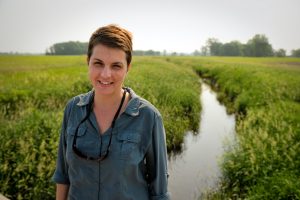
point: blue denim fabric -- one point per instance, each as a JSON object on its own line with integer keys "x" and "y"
{"x": 136, "y": 167}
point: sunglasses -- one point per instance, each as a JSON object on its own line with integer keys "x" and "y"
{"x": 89, "y": 110}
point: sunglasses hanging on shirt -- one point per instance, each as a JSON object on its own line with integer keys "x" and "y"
{"x": 89, "y": 110}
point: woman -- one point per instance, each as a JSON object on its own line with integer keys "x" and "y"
{"x": 112, "y": 142}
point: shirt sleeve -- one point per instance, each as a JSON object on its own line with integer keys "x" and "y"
{"x": 156, "y": 162}
{"x": 61, "y": 172}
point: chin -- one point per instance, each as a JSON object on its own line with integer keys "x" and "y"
{"x": 105, "y": 90}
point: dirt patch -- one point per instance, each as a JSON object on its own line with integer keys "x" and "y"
{"x": 296, "y": 64}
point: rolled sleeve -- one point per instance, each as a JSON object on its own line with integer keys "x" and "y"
{"x": 156, "y": 161}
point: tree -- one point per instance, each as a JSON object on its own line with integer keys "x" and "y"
{"x": 247, "y": 50}
{"x": 296, "y": 53}
{"x": 146, "y": 53}
{"x": 68, "y": 48}
{"x": 204, "y": 51}
{"x": 233, "y": 48}
{"x": 215, "y": 47}
{"x": 259, "y": 46}
{"x": 280, "y": 53}
{"x": 196, "y": 53}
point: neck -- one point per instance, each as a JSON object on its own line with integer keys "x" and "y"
{"x": 107, "y": 102}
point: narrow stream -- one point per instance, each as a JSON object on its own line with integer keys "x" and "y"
{"x": 196, "y": 169}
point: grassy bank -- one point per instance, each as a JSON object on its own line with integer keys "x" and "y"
{"x": 34, "y": 91}
{"x": 265, "y": 95}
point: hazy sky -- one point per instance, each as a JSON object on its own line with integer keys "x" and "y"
{"x": 173, "y": 25}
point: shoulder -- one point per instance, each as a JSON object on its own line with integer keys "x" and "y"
{"x": 149, "y": 107}
{"x": 78, "y": 100}
{"x": 141, "y": 106}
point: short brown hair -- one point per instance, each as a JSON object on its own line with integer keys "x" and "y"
{"x": 112, "y": 36}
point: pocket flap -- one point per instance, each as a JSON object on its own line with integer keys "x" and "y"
{"x": 130, "y": 137}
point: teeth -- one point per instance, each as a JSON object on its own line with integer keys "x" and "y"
{"x": 105, "y": 83}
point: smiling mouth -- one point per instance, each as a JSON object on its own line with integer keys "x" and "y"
{"x": 104, "y": 82}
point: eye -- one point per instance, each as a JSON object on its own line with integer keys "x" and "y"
{"x": 98, "y": 64}
{"x": 117, "y": 66}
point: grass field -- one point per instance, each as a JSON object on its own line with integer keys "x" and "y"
{"x": 34, "y": 91}
{"x": 264, "y": 93}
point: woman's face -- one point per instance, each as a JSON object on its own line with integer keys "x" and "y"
{"x": 107, "y": 69}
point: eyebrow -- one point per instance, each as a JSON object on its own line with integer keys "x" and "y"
{"x": 118, "y": 63}
{"x": 96, "y": 59}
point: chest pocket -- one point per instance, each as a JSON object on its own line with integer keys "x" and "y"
{"x": 130, "y": 142}
{"x": 81, "y": 139}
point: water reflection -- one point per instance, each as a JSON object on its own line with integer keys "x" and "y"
{"x": 195, "y": 168}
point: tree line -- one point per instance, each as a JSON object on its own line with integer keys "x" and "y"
{"x": 258, "y": 46}
{"x": 79, "y": 48}
{"x": 68, "y": 48}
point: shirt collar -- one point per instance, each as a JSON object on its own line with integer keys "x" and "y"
{"x": 84, "y": 99}
{"x": 132, "y": 106}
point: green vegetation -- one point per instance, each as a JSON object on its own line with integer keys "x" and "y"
{"x": 68, "y": 48}
{"x": 34, "y": 91}
{"x": 296, "y": 52}
{"x": 173, "y": 89}
{"x": 80, "y": 48}
{"x": 263, "y": 92}
{"x": 265, "y": 95}
{"x": 258, "y": 46}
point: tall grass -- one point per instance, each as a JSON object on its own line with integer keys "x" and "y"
{"x": 265, "y": 95}
{"x": 173, "y": 89}
{"x": 34, "y": 91}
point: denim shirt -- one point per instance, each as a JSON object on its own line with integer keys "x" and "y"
{"x": 136, "y": 166}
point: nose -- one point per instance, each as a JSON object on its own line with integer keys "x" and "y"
{"x": 106, "y": 72}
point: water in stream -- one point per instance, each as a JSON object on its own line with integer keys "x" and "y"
{"x": 196, "y": 168}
